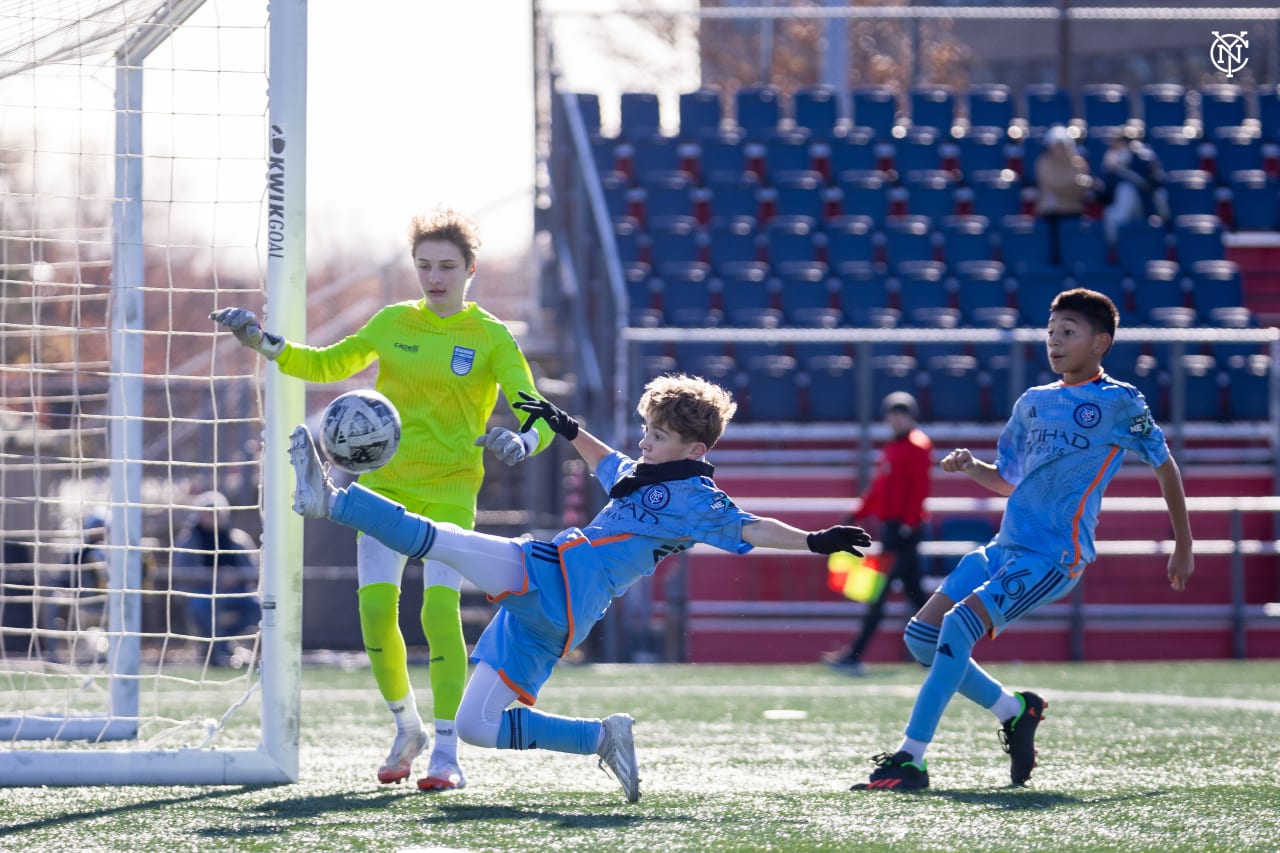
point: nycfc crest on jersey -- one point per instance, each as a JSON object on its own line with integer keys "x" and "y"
{"x": 655, "y": 497}
{"x": 463, "y": 358}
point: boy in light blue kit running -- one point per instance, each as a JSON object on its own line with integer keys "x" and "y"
{"x": 1063, "y": 444}
{"x": 552, "y": 593}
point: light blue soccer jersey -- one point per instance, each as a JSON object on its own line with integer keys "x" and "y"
{"x": 1060, "y": 449}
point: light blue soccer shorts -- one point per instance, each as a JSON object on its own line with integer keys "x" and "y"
{"x": 1009, "y": 582}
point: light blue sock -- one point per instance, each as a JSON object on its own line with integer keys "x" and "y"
{"x": 526, "y": 728}
{"x": 977, "y": 685}
{"x": 961, "y": 629}
{"x": 383, "y": 519}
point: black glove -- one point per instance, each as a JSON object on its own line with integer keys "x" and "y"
{"x": 841, "y": 538}
{"x": 559, "y": 421}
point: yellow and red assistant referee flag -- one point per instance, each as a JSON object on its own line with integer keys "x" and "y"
{"x": 856, "y": 578}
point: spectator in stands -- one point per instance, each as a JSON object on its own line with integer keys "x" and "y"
{"x": 895, "y": 498}
{"x": 1133, "y": 184}
{"x": 1063, "y": 185}
{"x": 551, "y": 593}
{"x": 1062, "y": 445}
{"x": 215, "y": 563}
{"x": 441, "y": 361}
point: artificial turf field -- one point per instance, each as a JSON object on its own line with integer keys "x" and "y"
{"x": 1158, "y": 757}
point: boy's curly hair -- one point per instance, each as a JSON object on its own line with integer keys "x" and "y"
{"x": 690, "y": 406}
{"x": 445, "y": 223}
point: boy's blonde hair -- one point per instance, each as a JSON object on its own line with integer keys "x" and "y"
{"x": 445, "y": 223}
{"x": 690, "y": 406}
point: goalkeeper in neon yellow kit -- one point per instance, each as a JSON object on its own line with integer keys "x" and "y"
{"x": 441, "y": 361}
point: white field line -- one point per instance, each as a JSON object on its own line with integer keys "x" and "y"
{"x": 843, "y": 692}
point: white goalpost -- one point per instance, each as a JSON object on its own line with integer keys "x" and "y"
{"x": 152, "y": 169}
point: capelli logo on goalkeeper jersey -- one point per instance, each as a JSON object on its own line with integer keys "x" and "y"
{"x": 462, "y": 360}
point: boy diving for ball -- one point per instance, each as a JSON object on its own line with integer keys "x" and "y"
{"x": 551, "y": 593}
{"x": 1063, "y": 444}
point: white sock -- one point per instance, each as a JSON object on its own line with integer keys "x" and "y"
{"x": 446, "y": 738}
{"x": 914, "y": 748}
{"x": 406, "y": 714}
{"x": 1007, "y": 706}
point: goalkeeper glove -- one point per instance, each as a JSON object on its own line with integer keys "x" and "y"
{"x": 509, "y": 446}
{"x": 243, "y": 323}
{"x": 560, "y": 422}
{"x": 841, "y": 538}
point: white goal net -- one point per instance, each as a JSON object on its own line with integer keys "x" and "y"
{"x": 151, "y": 171}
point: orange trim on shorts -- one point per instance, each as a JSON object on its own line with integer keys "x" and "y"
{"x": 568, "y": 596}
{"x": 521, "y": 591}
{"x": 1075, "y": 519}
{"x": 523, "y": 695}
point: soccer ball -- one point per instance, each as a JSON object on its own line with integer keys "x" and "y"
{"x": 360, "y": 431}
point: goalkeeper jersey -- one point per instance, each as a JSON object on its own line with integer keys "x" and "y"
{"x": 443, "y": 375}
{"x": 1060, "y": 449}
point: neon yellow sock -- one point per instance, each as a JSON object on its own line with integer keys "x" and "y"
{"x": 383, "y": 641}
{"x": 442, "y": 625}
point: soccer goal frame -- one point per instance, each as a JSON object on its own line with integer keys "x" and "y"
{"x": 275, "y": 757}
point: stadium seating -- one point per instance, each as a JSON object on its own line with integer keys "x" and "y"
{"x": 1164, "y": 105}
{"x": 995, "y": 195}
{"x": 1269, "y": 112}
{"x": 1236, "y": 149}
{"x": 686, "y": 293}
{"x": 891, "y": 373}
{"x": 1248, "y": 394}
{"x": 1083, "y": 247}
{"x": 921, "y": 285}
{"x": 916, "y": 151}
{"x": 864, "y": 296}
{"x": 786, "y": 151}
{"x": 1140, "y": 241}
{"x": 626, "y": 236}
{"x": 853, "y": 150}
{"x": 832, "y": 388}
{"x": 806, "y": 295}
{"x": 1197, "y": 238}
{"x": 817, "y": 110}
{"x": 990, "y": 105}
{"x": 865, "y": 193}
{"x": 771, "y": 390}
{"x": 1160, "y": 285}
{"x": 1105, "y": 105}
{"x": 1215, "y": 284}
{"x": 981, "y": 287}
{"x": 651, "y": 153}
{"x": 965, "y": 238}
{"x": 954, "y": 390}
{"x": 875, "y": 107}
{"x": 799, "y": 193}
{"x": 1024, "y": 244}
{"x": 639, "y": 115}
{"x": 700, "y": 112}
{"x": 850, "y": 238}
{"x": 721, "y": 154}
{"x": 791, "y": 238}
{"x": 757, "y": 110}
{"x": 1204, "y": 388}
{"x": 982, "y": 148}
{"x": 1191, "y": 191}
{"x": 931, "y": 193}
{"x": 745, "y": 290}
{"x": 672, "y": 238}
{"x": 667, "y": 194}
{"x": 1047, "y": 105}
{"x": 933, "y": 107}
{"x": 731, "y": 239}
{"x": 1221, "y": 105}
{"x": 617, "y": 193}
{"x": 962, "y": 528}
{"x": 589, "y": 107}
{"x": 907, "y": 238}
{"x": 1255, "y": 201}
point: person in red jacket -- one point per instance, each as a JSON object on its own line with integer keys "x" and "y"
{"x": 896, "y": 499}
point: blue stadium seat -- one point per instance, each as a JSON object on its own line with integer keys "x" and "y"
{"x": 745, "y": 289}
{"x": 1034, "y": 292}
{"x": 965, "y": 238}
{"x": 1215, "y": 284}
{"x": 639, "y": 114}
{"x": 864, "y": 296}
{"x": 1191, "y": 191}
{"x": 922, "y": 286}
{"x": 798, "y": 193}
{"x": 730, "y": 240}
{"x": 790, "y": 238}
{"x": 1255, "y": 201}
{"x": 907, "y": 238}
{"x": 627, "y": 238}
{"x": 1095, "y": 144}
{"x": 931, "y": 193}
{"x": 772, "y": 390}
{"x": 850, "y": 238}
{"x": 917, "y": 150}
{"x": 817, "y": 110}
{"x": 1197, "y": 238}
{"x": 982, "y": 149}
{"x": 1140, "y": 241}
{"x": 833, "y": 390}
{"x": 954, "y": 390}
{"x": 995, "y": 195}
{"x": 894, "y": 373}
{"x": 1105, "y": 104}
{"x": 864, "y": 193}
{"x": 758, "y": 109}
{"x": 1152, "y": 379}
{"x": 604, "y": 152}
{"x": 642, "y": 290}
{"x": 1047, "y": 105}
{"x": 786, "y": 151}
{"x": 652, "y": 153}
{"x": 589, "y": 106}
{"x": 721, "y": 155}
{"x": 693, "y": 355}
{"x": 1236, "y": 149}
{"x": 1160, "y": 285}
{"x": 1083, "y": 246}
{"x": 700, "y": 113}
{"x": 1269, "y": 111}
{"x": 734, "y": 195}
{"x": 1163, "y": 105}
{"x": 1249, "y": 391}
{"x": 990, "y": 105}
{"x": 1024, "y": 244}
{"x": 933, "y": 106}
{"x": 1221, "y": 105}
{"x": 672, "y": 238}
{"x": 853, "y": 150}
{"x": 981, "y": 286}
{"x": 617, "y": 193}
{"x": 667, "y": 194}
{"x": 652, "y": 366}
{"x": 1238, "y": 317}
{"x": 1174, "y": 149}
{"x": 806, "y": 295}
{"x": 686, "y": 292}
{"x": 1204, "y": 389}
{"x": 875, "y": 107}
